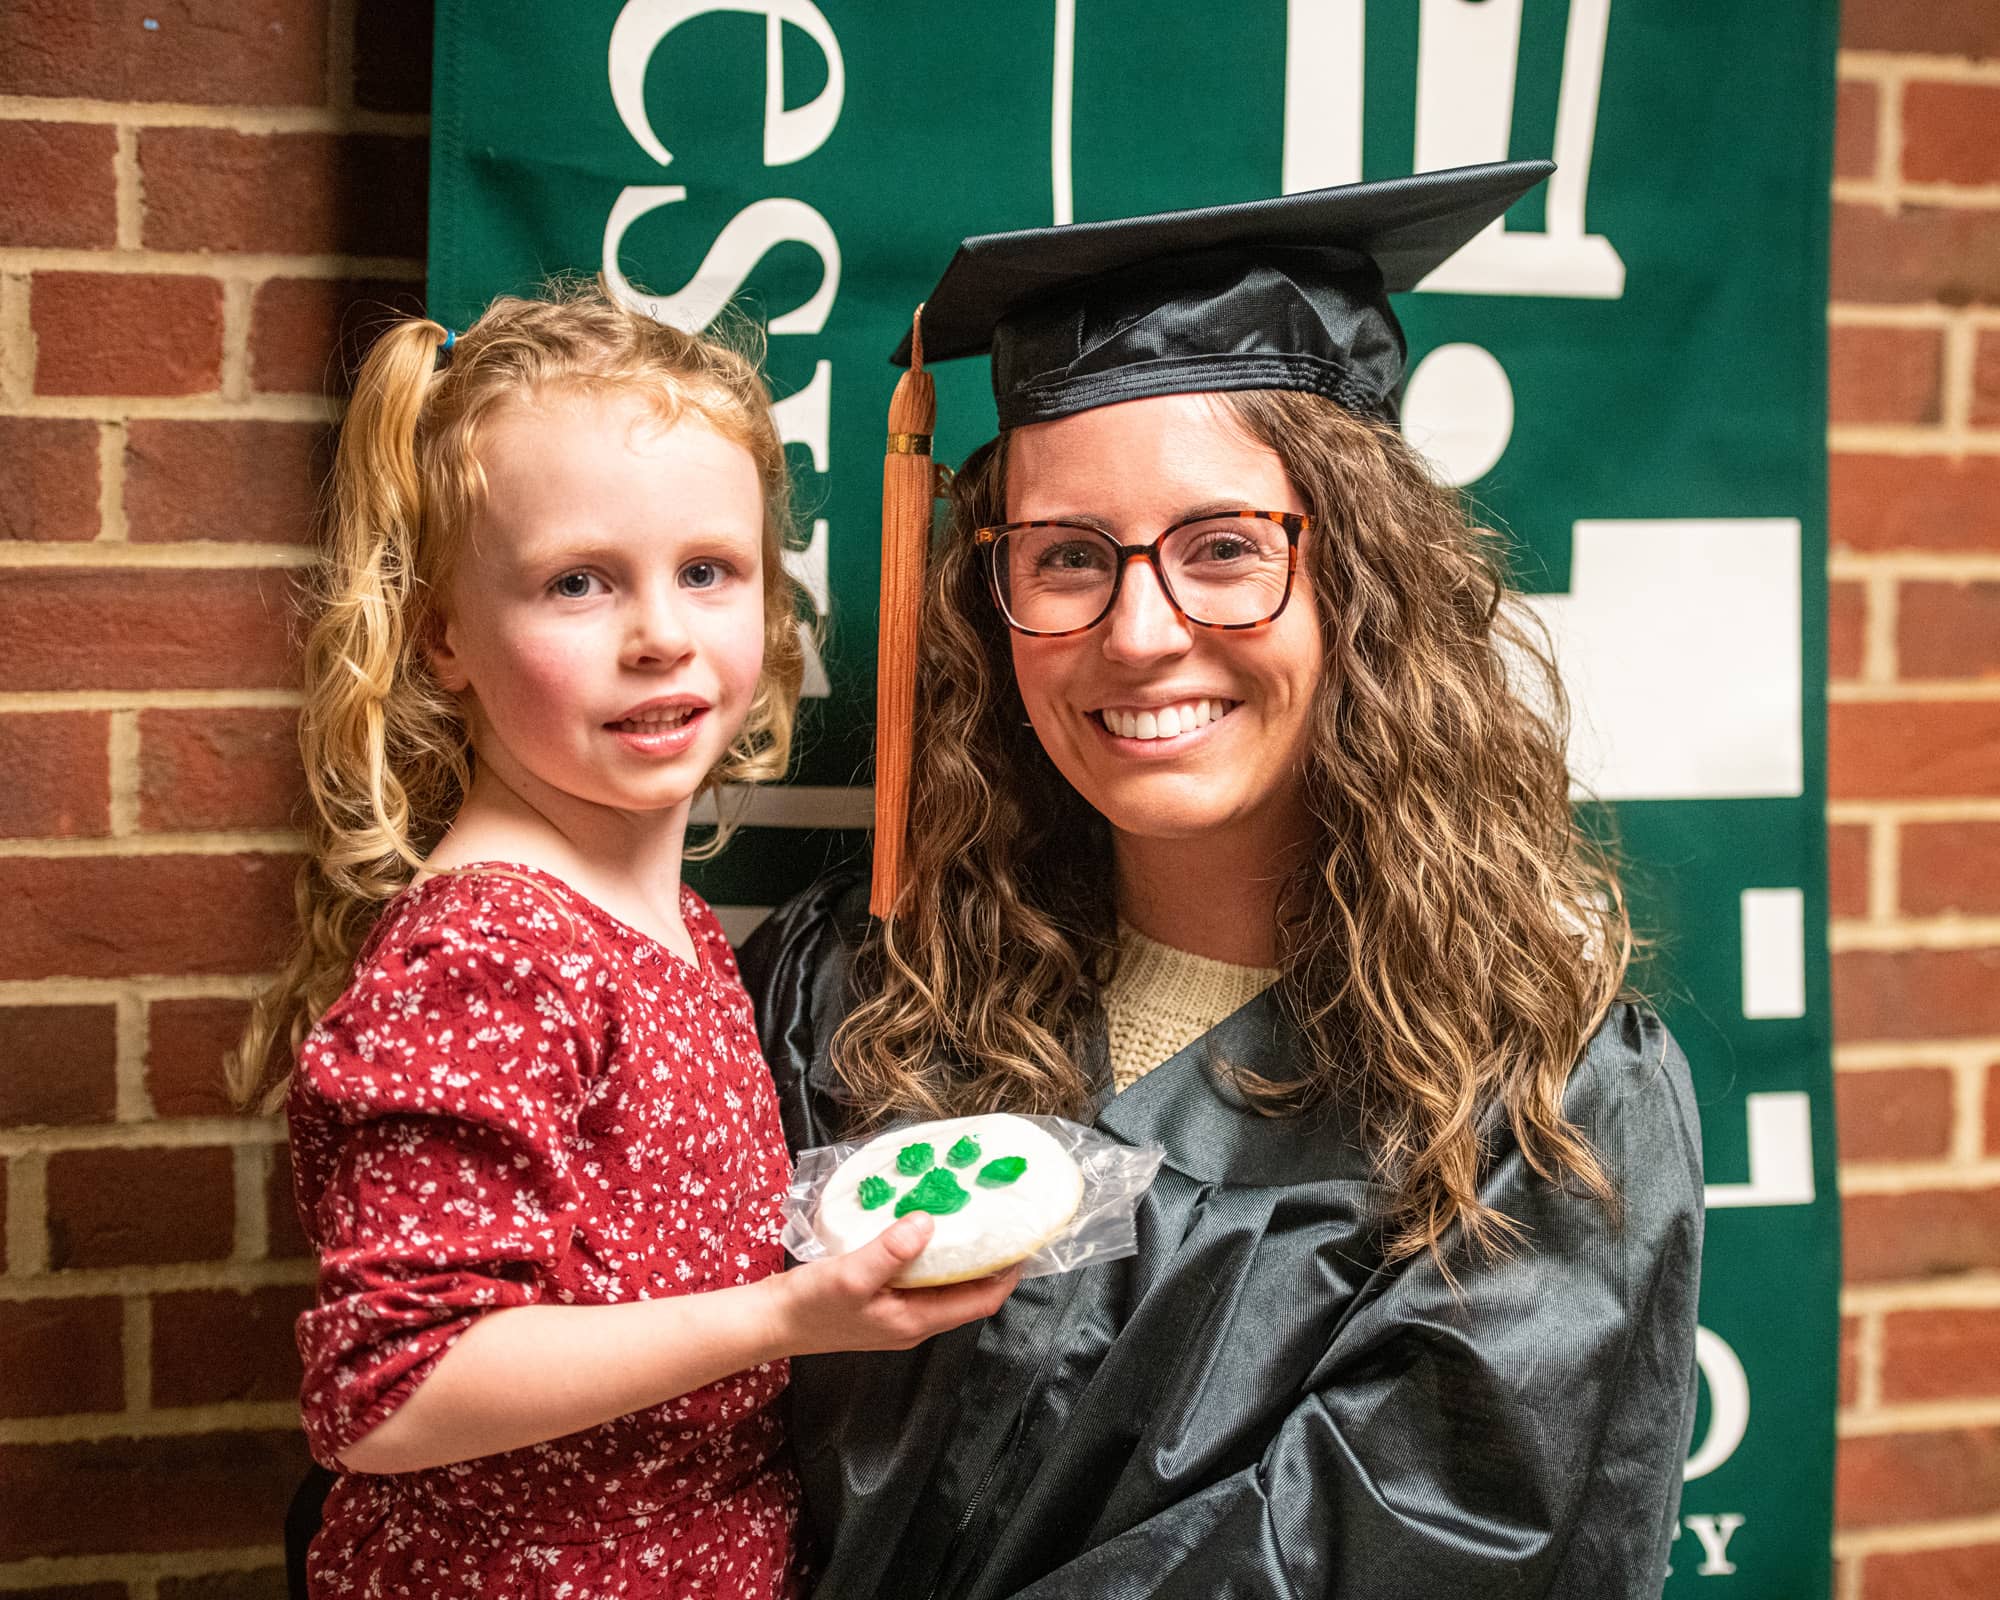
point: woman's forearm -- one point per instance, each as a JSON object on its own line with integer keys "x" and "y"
{"x": 530, "y": 1373}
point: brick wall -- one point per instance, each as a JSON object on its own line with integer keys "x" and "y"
{"x": 200, "y": 200}
{"x": 1915, "y": 803}
{"x": 195, "y": 218}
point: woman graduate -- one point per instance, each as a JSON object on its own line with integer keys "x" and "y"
{"x": 1234, "y": 827}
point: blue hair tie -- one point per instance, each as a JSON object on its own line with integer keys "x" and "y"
{"x": 450, "y": 339}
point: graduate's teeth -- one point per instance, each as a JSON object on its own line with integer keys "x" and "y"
{"x": 1166, "y": 722}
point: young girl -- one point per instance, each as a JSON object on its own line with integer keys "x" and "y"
{"x": 535, "y": 1144}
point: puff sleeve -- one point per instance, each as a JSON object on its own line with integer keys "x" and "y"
{"x": 434, "y": 1112}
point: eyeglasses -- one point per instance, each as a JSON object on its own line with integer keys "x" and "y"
{"x": 1228, "y": 570}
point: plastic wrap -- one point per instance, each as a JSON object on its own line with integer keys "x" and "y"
{"x": 1102, "y": 1227}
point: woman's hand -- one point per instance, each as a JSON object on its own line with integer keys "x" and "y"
{"x": 846, "y": 1302}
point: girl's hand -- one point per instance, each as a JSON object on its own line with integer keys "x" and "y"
{"x": 846, "y": 1303}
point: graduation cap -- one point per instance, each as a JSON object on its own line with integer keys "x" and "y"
{"x": 1291, "y": 293}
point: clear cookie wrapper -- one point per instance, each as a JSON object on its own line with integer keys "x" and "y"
{"x": 1000, "y": 1189}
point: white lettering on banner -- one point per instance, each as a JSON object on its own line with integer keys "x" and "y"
{"x": 807, "y": 417}
{"x": 1062, "y": 107}
{"x": 1774, "y": 953}
{"x": 1458, "y": 410}
{"x": 1781, "y": 1164}
{"x": 1324, "y": 55}
{"x": 1714, "y": 1534}
{"x": 789, "y": 135}
{"x": 808, "y": 567}
{"x": 1468, "y": 52}
{"x": 1679, "y": 646}
{"x": 743, "y": 242}
{"x": 1728, "y": 1404}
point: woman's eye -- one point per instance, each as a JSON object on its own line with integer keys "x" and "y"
{"x": 1076, "y": 557}
{"x": 573, "y": 586}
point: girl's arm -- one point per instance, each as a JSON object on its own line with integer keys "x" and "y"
{"x": 520, "y": 1376}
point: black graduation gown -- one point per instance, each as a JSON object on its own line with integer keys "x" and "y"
{"x": 1255, "y": 1405}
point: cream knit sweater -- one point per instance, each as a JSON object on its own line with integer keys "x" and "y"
{"x": 1164, "y": 999}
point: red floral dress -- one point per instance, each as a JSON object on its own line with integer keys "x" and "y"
{"x": 520, "y": 1099}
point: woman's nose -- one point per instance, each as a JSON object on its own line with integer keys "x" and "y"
{"x": 1143, "y": 623}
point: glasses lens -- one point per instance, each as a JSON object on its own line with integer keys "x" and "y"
{"x": 1052, "y": 579}
{"x": 1228, "y": 569}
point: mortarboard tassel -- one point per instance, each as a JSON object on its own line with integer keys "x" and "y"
{"x": 908, "y": 487}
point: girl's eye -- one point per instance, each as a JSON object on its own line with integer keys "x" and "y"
{"x": 573, "y": 586}
{"x": 704, "y": 574}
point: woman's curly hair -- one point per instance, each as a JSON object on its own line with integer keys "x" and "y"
{"x": 384, "y": 745}
{"x": 1448, "y": 947}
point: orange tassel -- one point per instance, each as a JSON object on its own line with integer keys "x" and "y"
{"x": 908, "y": 487}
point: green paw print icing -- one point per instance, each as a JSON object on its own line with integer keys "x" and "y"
{"x": 998, "y": 1174}
{"x": 875, "y": 1192}
{"x": 912, "y": 1159}
{"x": 937, "y": 1192}
{"x": 964, "y": 1153}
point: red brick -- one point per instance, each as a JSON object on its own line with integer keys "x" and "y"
{"x": 1915, "y": 994}
{"x": 295, "y": 193}
{"x": 1898, "y": 1114}
{"x": 392, "y": 58}
{"x": 308, "y": 335}
{"x": 1856, "y": 116}
{"x": 185, "y": 1043}
{"x": 1948, "y": 630}
{"x": 260, "y": 1583}
{"x": 48, "y": 478}
{"x": 61, "y": 1356}
{"x": 1914, "y": 502}
{"x": 216, "y": 52}
{"x": 1947, "y": 254}
{"x": 1913, "y": 749}
{"x": 1916, "y": 1477}
{"x": 1937, "y": 27}
{"x": 237, "y": 481}
{"x": 111, "y": 918}
{"x": 1884, "y": 374}
{"x": 139, "y": 628}
{"x": 1951, "y": 867}
{"x": 206, "y": 1491}
{"x": 1923, "y": 1235}
{"x": 1986, "y": 381}
{"x": 119, "y": 1208}
{"x": 58, "y": 1064}
{"x": 215, "y": 770}
{"x": 1846, "y": 628}
{"x": 1993, "y": 1108}
{"x": 1940, "y": 1355}
{"x": 58, "y": 767}
{"x": 285, "y": 1238}
{"x": 1850, "y": 1361}
{"x": 126, "y": 333}
{"x": 61, "y": 190}
{"x": 1963, "y": 1572}
{"x": 1847, "y": 869}
{"x": 1951, "y": 132}
{"x": 210, "y": 1346}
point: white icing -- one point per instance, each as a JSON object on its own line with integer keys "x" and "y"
{"x": 994, "y": 1229}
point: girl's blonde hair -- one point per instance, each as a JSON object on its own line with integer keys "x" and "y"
{"x": 385, "y": 749}
{"x": 1450, "y": 942}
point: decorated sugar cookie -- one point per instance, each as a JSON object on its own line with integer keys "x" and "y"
{"x": 996, "y": 1187}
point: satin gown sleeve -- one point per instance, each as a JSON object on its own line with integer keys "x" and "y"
{"x": 1486, "y": 1441}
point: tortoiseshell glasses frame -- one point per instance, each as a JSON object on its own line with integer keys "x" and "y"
{"x": 993, "y": 540}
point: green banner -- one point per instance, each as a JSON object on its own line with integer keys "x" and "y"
{"x": 1628, "y": 375}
